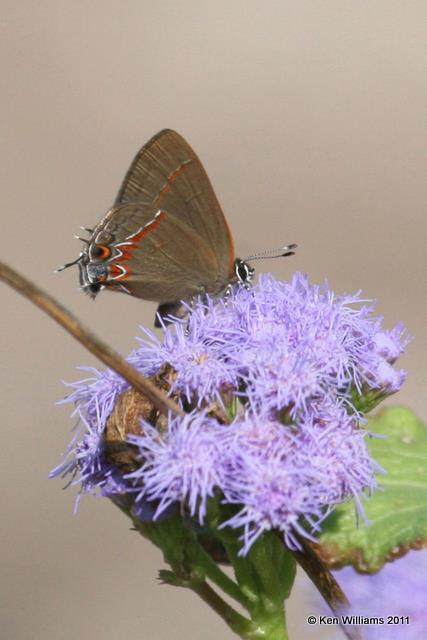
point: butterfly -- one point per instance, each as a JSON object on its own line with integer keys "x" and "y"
{"x": 166, "y": 238}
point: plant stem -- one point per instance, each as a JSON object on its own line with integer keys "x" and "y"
{"x": 100, "y": 349}
{"x": 238, "y": 623}
{"x": 325, "y": 582}
{"x": 215, "y": 574}
{"x": 191, "y": 565}
{"x": 269, "y": 625}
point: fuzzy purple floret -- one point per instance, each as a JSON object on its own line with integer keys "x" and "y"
{"x": 289, "y": 342}
{"x": 182, "y": 467}
{"x": 294, "y": 354}
{"x": 84, "y": 460}
{"x": 277, "y": 476}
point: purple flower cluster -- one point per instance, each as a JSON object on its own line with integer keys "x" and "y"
{"x": 279, "y": 478}
{"x": 84, "y": 460}
{"x": 291, "y": 356}
{"x": 288, "y": 342}
{"x": 183, "y": 467}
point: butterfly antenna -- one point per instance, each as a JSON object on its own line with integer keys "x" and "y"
{"x": 69, "y": 264}
{"x": 280, "y": 252}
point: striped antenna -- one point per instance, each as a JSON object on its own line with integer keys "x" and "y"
{"x": 280, "y": 252}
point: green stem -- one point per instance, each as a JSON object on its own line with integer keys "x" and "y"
{"x": 267, "y": 627}
{"x": 190, "y": 564}
{"x": 237, "y": 623}
{"x": 218, "y": 577}
{"x": 265, "y": 575}
{"x": 244, "y": 572}
{"x": 260, "y": 556}
{"x": 201, "y": 561}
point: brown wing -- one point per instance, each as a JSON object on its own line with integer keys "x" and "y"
{"x": 159, "y": 257}
{"x": 167, "y": 174}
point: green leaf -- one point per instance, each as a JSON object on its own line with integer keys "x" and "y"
{"x": 397, "y": 511}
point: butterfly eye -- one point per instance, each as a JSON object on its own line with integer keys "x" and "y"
{"x": 99, "y": 252}
{"x": 94, "y": 288}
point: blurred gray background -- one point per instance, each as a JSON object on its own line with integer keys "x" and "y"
{"x": 310, "y": 120}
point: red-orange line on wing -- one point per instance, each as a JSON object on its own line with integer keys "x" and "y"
{"x": 117, "y": 272}
{"x": 127, "y": 250}
{"x": 171, "y": 179}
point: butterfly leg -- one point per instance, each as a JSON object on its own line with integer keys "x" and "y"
{"x": 167, "y": 312}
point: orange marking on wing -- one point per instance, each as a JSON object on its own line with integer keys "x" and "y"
{"x": 117, "y": 272}
{"x": 171, "y": 179}
{"x": 105, "y": 251}
{"x": 99, "y": 252}
{"x": 126, "y": 254}
{"x": 127, "y": 250}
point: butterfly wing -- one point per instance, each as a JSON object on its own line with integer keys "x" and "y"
{"x": 167, "y": 174}
{"x": 156, "y": 256}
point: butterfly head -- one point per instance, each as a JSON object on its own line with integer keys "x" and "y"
{"x": 94, "y": 270}
{"x": 244, "y": 272}
{"x": 92, "y": 276}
